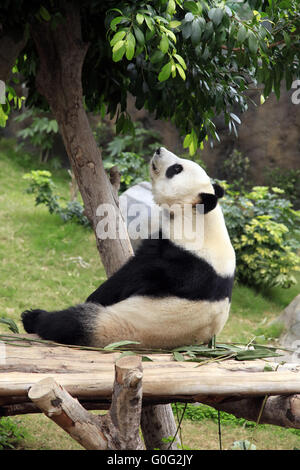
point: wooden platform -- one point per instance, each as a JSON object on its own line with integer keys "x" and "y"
{"x": 89, "y": 376}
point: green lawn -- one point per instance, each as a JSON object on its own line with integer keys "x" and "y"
{"x": 41, "y": 268}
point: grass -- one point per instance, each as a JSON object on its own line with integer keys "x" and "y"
{"x": 41, "y": 268}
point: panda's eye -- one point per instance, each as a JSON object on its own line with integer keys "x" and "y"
{"x": 174, "y": 170}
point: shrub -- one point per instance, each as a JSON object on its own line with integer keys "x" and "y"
{"x": 41, "y": 184}
{"x": 11, "y": 434}
{"x": 128, "y": 151}
{"x": 40, "y": 132}
{"x": 235, "y": 170}
{"x": 288, "y": 180}
{"x": 264, "y": 231}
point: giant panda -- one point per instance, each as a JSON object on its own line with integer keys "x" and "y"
{"x": 171, "y": 292}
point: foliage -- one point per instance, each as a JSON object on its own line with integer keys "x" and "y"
{"x": 264, "y": 231}
{"x": 126, "y": 152}
{"x": 40, "y": 132}
{"x": 235, "y": 170}
{"x": 10, "y": 434}
{"x": 288, "y": 180}
{"x": 188, "y": 61}
{"x": 41, "y": 184}
{"x": 12, "y": 101}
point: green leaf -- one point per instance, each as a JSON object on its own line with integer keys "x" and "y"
{"x": 118, "y": 54}
{"x": 194, "y": 143}
{"x": 118, "y": 45}
{"x": 140, "y": 18}
{"x": 177, "y": 356}
{"x": 117, "y": 37}
{"x": 45, "y": 14}
{"x": 174, "y": 24}
{"x": 186, "y": 30}
{"x": 130, "y": 46}
{"x": 118, "y": 344}
{"x": 187, "y": 141}
{"x": 192, "y": 7}
{"x": 216, "y": 15}
{"x": 242, "y": 34}
{"x": 196, "y": 32}
{"x": 149, "y": 23}
{"x": 171, "y": 8}
{"x": 164, "y": 44}
{"x": 10, "y": 323}
{"x": 127, "y": 353}
{"x": 116, "y": 21}
{"x": 180, "y": 60}
{"x": 146, "y": 359}
{"x": 181, "y": 71}
{"x": 139, "y": 35}
{"x": 253, "y": 43}
{"x": 3, "y": 117}
{"x": 157, "y": 57}
{"x": 165, "y": 72}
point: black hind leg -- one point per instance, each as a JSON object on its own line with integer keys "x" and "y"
{"x": 70, "y": 326}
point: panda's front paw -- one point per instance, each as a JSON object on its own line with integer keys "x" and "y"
{"x": 30, "y": 320}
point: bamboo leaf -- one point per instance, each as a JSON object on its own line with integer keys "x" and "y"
{"x": 178, "y": 356}
{"x": 165, "y": 72}
{"x": 10, "y": 323}
{"x": 118, "y": 344}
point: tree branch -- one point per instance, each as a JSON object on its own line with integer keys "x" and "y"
{"x": 118, "y": 429}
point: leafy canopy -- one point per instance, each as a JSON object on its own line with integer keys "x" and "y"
{"x": 187, "y": 61}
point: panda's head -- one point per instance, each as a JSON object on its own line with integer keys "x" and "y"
{"x": 179, "y": 181}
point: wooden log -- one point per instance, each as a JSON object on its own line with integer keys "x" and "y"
{"x": 89, "y": 376}
{"x": 278, "y": 410}
{"x": 67, "y": 412}
{"x": 123, "y": 419}
{"x": 154, "y": 434}
{"x": 117, "y": 430}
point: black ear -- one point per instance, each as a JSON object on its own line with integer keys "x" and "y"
{"x": 209, "y": 201}
{"x": 219, "y": 191}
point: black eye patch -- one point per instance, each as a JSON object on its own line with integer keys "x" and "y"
{"x": 174, "y": 170}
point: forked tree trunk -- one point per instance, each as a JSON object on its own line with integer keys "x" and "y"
{"x": 61, "y": 52}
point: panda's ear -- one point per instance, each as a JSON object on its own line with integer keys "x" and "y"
{"x": 219, "y": 191}
{"x": 209, "y": 201}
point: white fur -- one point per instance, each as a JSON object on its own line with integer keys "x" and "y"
{"x": 160, "y": 323}
{"x": 214, "y": 244}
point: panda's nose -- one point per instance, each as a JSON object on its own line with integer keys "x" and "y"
{"x": 157, "y": 151}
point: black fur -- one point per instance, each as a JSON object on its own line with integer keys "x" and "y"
{"x": 210, "y": 200}
{"x": 159, "y": 269}
{"x": 66, "y": 326}
{"x": 174, "y": 170}
{"x": 219, "y": 191}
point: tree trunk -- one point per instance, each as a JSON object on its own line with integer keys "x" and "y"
{"x": 10, "y": 48}
{"x": 61, "y": 53}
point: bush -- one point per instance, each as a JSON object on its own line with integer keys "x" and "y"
{"x": 264, "y": 231}
{"x": 288, "y": 180}
{"x": 11, "y": 434}
{"x": 40, "y": 132}
{"x": 235, "y": 170}
{"x": 130, "y": 152}
{"x": 41, "y": 184}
